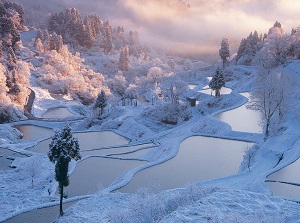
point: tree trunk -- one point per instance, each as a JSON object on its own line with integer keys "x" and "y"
{"x": 267, "y": 130}
{"x": 224, "y": 62}
{"x": 61, "y": 189}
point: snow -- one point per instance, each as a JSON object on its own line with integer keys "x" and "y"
{"x": 243, "y": 197}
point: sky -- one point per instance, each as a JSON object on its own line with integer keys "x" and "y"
{"x": 173, "y": 26}
{"x": 200, "y": 27}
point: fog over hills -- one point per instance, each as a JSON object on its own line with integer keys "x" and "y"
{"x": 190, "y": 27}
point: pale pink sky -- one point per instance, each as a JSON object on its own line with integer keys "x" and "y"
{"x": 202, "y": 27}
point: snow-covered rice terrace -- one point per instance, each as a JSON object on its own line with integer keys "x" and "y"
{"x": 213, "y": 164}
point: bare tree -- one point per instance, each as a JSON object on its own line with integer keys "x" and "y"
{"x": 269, "y": 97}
{"x": 34, "y": 167}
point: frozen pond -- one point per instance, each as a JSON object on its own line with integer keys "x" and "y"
{"x": 45, "y": 215}
{"x": 58, "y": 113}
{"x": 199, "y": 158}
{"x": 87, "y": 140}
{"x": 287, "y": 174}
{"x": 32, "y": 132}
{"x": 242, "y": 119}
{"x": 95, "y": 172}
{"x": 6, "y": 158}
{"x": 92, "y": 172}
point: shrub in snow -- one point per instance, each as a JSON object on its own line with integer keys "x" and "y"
{"x": 146, "y": 207}
{"x": 169, "y": 113}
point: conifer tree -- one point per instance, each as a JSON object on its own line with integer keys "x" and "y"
{"x": 108, "y": 44}
{"x": 217, "y": 82}
{"x": 124, "y": 59}
{"x": 101, "y": 102}
{"x": 1, "y": 53}
{"x": 224, "y": 51}
{"x": 241, "y": 49}
{"x": 63, "y": 148}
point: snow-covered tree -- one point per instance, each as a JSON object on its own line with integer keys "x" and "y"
{"x": 155, "y": 75}
{"x": 294, "y": 49}
{"x": 69, "y": 25}
{"x": 224, "y": 52}
{"x": 39, "y": 45}
{"x": 270, "y": 97}
{"x": 65, "y": 73}
{"x": 131, "y": 93}
{"x": 217, "y": 82}
{"x": 172, "y": 87}
{"x": 34, "y": 168}
{"x": 274, "y": 51}
{"x": 63, "y": 148}
{"x": 124, "y": 59}
{"x": 3, "y": 87}
{"x": 107, "y": 40}
{"x": 248, "y": 49}
{"x": 117, "y": 85}
{"x": 101, "y": 103}
{"x": 276, "y": 29}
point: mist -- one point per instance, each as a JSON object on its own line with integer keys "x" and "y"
{"x": 192, "y": 27}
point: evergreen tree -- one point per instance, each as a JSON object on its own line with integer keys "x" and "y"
{"x": 241, "y": 49}
{"x": 217, "y": 82}
{"x": 1, "y": 53}
{"x": 248, "y": 48}
{"x": 69, "y": 25}
{"x": 55, "y": 42}
{"x": 39, "y": 35}
{"x": 124, "y": 59}
{"x": 11, "y": 57}
{"x": 108, "y": 44}
{"x": 63, "y": 148}
{"x": 224, "y": 51}
{"x": 101, "y": 102}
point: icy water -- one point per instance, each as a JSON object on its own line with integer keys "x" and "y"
{"x": 87, "y": 140}
{"x": 32, "y": 132}
{"x": 6, "y": 158}
{"x": 58, "y": 113}
{"x": 92, "y": 173}
{"x": 199, "y": 158}
{"x": 43, "y": 215}
{"x": 96, "y": 172}
{"x": 287, "y": 174}
{"x": 242, "y": 119}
